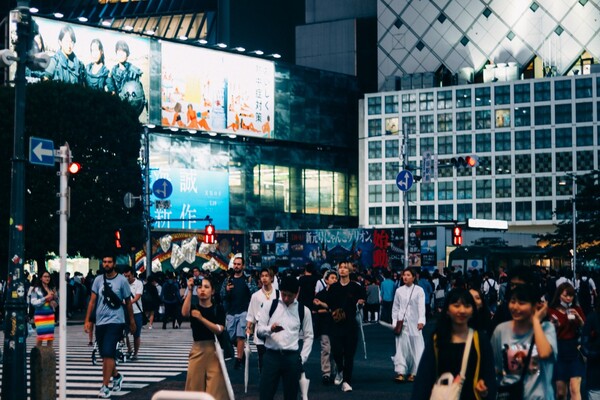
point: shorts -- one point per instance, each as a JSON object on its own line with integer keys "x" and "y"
{"x": 138, "y": 325}
{"x": 236, "y": 325}
{"x": 108, "y": 336}
{"x": 564, "y": 370}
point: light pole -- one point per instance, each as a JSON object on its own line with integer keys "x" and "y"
{"x": 573, "y": 177}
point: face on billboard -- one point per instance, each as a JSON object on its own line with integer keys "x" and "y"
{"x": 217, "y": 91}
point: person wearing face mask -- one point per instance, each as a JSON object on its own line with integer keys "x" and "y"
{"x": 568, "y": 318}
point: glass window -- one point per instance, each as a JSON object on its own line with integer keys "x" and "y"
{"x": 464, "y": 190}
{"x": 412, "y": 147}
{"x": 564, "y": 161}
{"x": 483, "y": 119}
{"x": 485, "y": 162}
{"x": 522, "y": 140}
{"x": 503, "y": 165}
{"x": 543, "y": 186}
{"x": 326, "y": 195}
{"x": 562, "y": 89}
{"x": 523, "y": 211}
{"x": 374, "y": 171}
{"x": 391, "y": 104}
{"x": 392, "y": 148}
{"x": 427, "y": 123}
{"x": 464, "y": 211}
{"x": 392, "y": 215}
{"x": 445, "y": 122}
{"x": 563, "y": 209}
{"x": 444, "y": 99}
{"x": 583, "y": 88}
{"x": 584, "y": 112}
{"x": 522, "y": 94}
{"x": 375, "y": 215}
{"x": 522, "y": 116}
{"x": 428, "y": 213}
{"x": 410, "y": 124}
{"x": 585, "y": 160}
{"x": 392, "y": 194}
{"x": 523, "y": 163}
{"x": 543, "y": 210}
{"x": 543, "y": 139}
{"x": 374, "y": 127}
{"x": 445, "y": 191}
{"x": 584, "y": 136}
{"x": 543, "y": 162}
{"x": 445, "y": 145}
{"x": 483, "y": 142}
{"x": 563, "y": 187}
{"x": 542, "y": 91}
{"x": 483, "y": 189}
{"x": 502, "y": 141}
{"x": 484, "y": 210}
{"x": 311, "y": 191}
{"x": 374, "y": 105}
{"x": 543, "y": 115}
{"x": 426, "y": 101}
{"x": 463, "y": 121}
{"x": 463, "y": 98}
{"x": 427, "y": 192}
{"x": 563, "y": 137}
{"x": 391, "y": 170}
{"x": 463, "y": 143}
{"x": 502, "y": 95}
{"x": 504, "y": 211}
{"x": 409, "y": 102}
{"x": 446, "y": 212}
{"x": 503, "y": 188}
{"x": 391, "y": 126}
{"x": 426, "y": 144}
{"x": 375, "y": 193}
{"x": 503, "y": 118}
{"x": 375, "y": 149}
{"x": 562, "y": 113}
{"x": 482, "y": 97}
{"x": 523, "y": 187}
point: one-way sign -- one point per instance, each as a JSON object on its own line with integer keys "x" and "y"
{"x": 41, "y": 151}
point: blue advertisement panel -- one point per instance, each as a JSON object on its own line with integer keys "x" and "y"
{"x": 196, "y": 194}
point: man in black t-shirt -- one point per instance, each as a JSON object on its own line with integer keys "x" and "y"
{"x": 307, "y": 283}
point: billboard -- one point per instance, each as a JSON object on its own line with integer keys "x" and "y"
{"x": 216, "y": 91}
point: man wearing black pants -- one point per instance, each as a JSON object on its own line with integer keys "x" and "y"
{"x": 283, "y": 358}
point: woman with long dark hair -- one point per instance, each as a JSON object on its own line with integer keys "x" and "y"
{"x": 44, "y": 299}
{"x": 444, "y": 351}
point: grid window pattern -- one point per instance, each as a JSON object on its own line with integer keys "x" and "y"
{"x": 543, "y": 162}
{"x": 504, "y": 211}
{"x": 412, "y": 147}
{"x": 464, "y": 143}
{"x": 392, "y": 194}
{"x": 374, "y": 105}
{"x": 375, "y": 193}
{"x": 585, "y": 160}
{"x": 523, "y": 211}
{"x": 503, "y": 188}
{"x": 564, "y": 161}
{"x": 374, "y": 171}
{"x": 444, "y": 98}
{"x": 427, "y": 192}
{"x": 428, "y": 212}
{"x": 522, "y": 140}
{"x": 374, "y": 215}
{"x": 463, "y": 98}
{"x": 541, "y": 91}
{"x": 523, "y": 163}
{"x": 522, "y": 93}
{"x": 392, "y": 148}
{"x": 502, "y": 94}
{"x": 391, "y": 104}
{"x": 374, "y": 149}
{"x": 584, "y": 136}
{"x": 409, "y": 102}
{"x": 583, "y": 88}
{"x": 562, "y": 89}
{"x": 584, "y": 112}
{"x": 426, "y": 144}
{"x": 446, "y": 212}
{"x": 463, "y": 121}
{"x": 563, "y": 209}
{"x": 391, "y": 170}
{"x": 543, "y": 139}
{"x": 543, "y": 210}
{"x": 464, "y": 190}
{"x": 563, "y": 137}
{"x": 445, "y": 145}
{"x": 426, "y": 101}
{"x": 392, "y": 215}
{"x": 543, "y": 115}
{"x": 374, "y": 127}
{"x": 503, "y": 165}
{"x": 484, "y": 189}
{"x": 445, "y": 122}
{"x": 502, "y": 141}
{"x": 523, "y": 187}
{"x": 483, "y": 210}
{"x": 482, "y": 97}
{"x": 445, "y": 190}
{"x": 464, "y": 211}
{"x": 563, "y": 186}
{"x": 483, "y": 119}
{"x": 485, "y": 162}
{"x": 410, "y": 124}
{"x": 522, "y": 116}
{"x": 563, "y": 114}
{"x": 483, "y": 142}
{"x": 543, "y": 186}
{"x": 427, "y": 123}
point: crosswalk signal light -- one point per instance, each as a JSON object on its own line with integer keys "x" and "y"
{"x": 74, "y": 168}
{"x": 457, "y": 239}
{"x": 209, "y": 234}
{"x": 118, "y": 243}
{"x": 467, "y": 162}
{"x": 472, "y": 161}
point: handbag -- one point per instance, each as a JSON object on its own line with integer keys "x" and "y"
{"x": 400, "y": 323}
{"x": 144, "y": 316}
{"x": 111, "y": 299}
{"x": 516, "y": 390}
{"x": 449, "y": 387}
{"x": 338, "y": 315}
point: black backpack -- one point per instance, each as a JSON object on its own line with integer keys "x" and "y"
{"x": 492, "y": 294}
{"x": 584, "y": 295}
{"x": 276, "y": 302}
{"x": 169, "y": 293}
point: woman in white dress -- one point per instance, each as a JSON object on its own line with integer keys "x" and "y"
{"x": 409, "y": 306}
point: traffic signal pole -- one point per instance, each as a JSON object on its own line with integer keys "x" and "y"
{"x": 405, "y": 197}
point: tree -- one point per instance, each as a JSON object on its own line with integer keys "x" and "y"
{"x": 104, "y": 136}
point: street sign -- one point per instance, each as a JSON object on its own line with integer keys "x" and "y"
{"x": 426, "y": 167}
{"x": 41, "y": 151}
{"x": 162, "y": 188}
{"x": 404, "y": 180}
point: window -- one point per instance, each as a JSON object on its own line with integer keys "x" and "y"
{"x": 375, "y": 149}
{"x": 426, "y": 144}
{"x": 391, "y": 126}
{"x": 542, "y": 115}
{"x": 427, "y": 192}
{"x": 562, "y": 113}
{"x": 444, "y": 100}
{"x": 412, "y": 147}
{"x": 375, "y": 215}
{"x": 392, "y": 215}
{"x": 543, "y": 210}
{"x": 542, "y": 91}
{"x": 445, "y": 122}
{"x": 543, "y": 162}
{"x": 503, "y": 165}
{"x": 374, "y": 193}
{"x": 583, "y": 88}
{"x": 444, "y": 145}
{"x": 464, "y": 211}
{"x": 428, "y": 213}
{"x": 503, "y": 118}
{"x": 584, "y": 112}
{"x": 564, "y": 161}
{"x": 374, "y": 105}
{"x": 446, "y": 212}
{"x": 463, "y": 121}
{"x": 563, "y": 137}
{"x": 522, "y": 94}
{"x": 502, "y": 141}
{"x": 426, "y": 101}
{"x": 503, "y": 188}
{"x": 392, "y": 194}
{"x": 484, "y": 210}
{"x": 483, "y": 142}
{"x": 543, "y": 186}
{"x": 463, "y": 144}
{"x": 522, "y": 116}
{"x": 562, "y": 90}
{"x": 463, "y": 98}
{"x": 522, "y": 140}
{"x": 585, "y": 160}
{"x": 502, "y": 95}
{"x": 409, "y": 102}
{"x": 391, "y": 104}
{"x": 445, "y": 191}
{"x": 483, "y": 119}
{"x": 523, "y": 163}
{"x": 482, "y": 97}
{"x": 410, "y": 124}
{"x": 483, "y": 189}
{"x": 374, "y": 127}
{"x": 523, "y": 211}
{"x": 464, "y": 190}
{"x": 563, "y": 209}
{"x": 543, "y": 139}
{"x": 374, "y": 171}
{"x": 392, "y": 148}
{"x": 486, "y": 162}
{"x": 504, "y": 211}
{"x": 584, "y": 136}
{"x": 391, "y": 170}
{"x": 523, "y": 187}
{"x": 427, "y": 123}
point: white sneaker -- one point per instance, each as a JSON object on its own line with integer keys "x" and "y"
{"x": 346, "y": 387}
{"x": 339, "y": 377}
{"x": 104, "y": 393}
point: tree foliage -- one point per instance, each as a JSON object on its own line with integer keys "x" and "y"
{"x": 104, "y": 137}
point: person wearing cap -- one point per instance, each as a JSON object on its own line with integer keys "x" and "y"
{"x": 283, "y": 358}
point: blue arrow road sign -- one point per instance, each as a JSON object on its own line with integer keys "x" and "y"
{"x": 162, "y": 188}
{"x": 41, "y": 151}
{"x": 404, "y": 180}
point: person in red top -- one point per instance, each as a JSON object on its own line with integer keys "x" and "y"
{"x": 567, "y": 318}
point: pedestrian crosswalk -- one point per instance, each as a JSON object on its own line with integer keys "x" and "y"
{"x": 163, "y": 354}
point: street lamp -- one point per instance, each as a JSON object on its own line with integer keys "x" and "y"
{"x": 573, "y": 177}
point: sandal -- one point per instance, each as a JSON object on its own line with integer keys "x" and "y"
{"x": 400, "y": 379}
{"x": 411, "y": 378}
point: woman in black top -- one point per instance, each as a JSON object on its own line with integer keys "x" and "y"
{"x": 207, "y": 320}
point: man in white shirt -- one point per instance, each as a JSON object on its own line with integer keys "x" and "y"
{"x": 137, "y": 289}
{"x": 283, "y": 358}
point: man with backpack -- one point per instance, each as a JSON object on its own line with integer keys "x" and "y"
{"x": 586, "y": 292}
{"x": 171, "y": 298}
{"x": 489, "y": 288}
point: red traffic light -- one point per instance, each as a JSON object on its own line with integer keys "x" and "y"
{"x": 74, "y": 168}
{"x": 472, "y": 161}
{"x": 118, "y": 239}
{"x": 209, "y": 234}
{"x": 457, "y": 236}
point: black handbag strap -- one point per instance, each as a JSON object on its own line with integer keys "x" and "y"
{"x": 408, "y": 302}
{"x": 527, "y": 359}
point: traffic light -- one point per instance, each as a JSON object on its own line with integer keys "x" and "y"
{"x": 118, "y": 243}
{"x": 209, "y": 234}
{"x": 468, "y": 161}
{"x": 457, "y": 236}
{"x": 74, "y": 168}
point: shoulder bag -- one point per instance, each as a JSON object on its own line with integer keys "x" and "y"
{"x": 449, "y": 387}
{"x": 516, "y": 390}
{"x": 400, "y": 323}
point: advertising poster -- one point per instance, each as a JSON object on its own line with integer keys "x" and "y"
{"x": 216, "y": 91}
{"x": 97, "y": 58}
